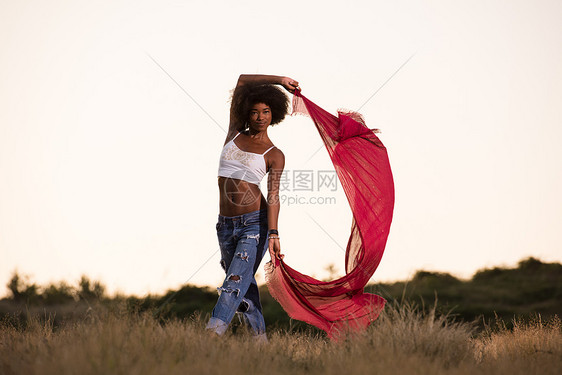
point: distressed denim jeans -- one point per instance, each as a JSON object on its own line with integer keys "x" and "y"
{"x": 243, "y": 243}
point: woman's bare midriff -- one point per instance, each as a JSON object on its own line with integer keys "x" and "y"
{"x": 238, "y": 197}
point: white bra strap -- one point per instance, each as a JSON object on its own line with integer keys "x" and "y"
{"x": 236, "y": 136}
{"x": 268, "y": 150}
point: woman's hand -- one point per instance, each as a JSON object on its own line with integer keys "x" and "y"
{"x": 290, "y": 84}
{"x": 275, "y": 249}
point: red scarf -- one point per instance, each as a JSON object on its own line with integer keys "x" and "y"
{"x": 363, "y": 168}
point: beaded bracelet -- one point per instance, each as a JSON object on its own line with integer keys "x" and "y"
{"x": 273, "y": 238}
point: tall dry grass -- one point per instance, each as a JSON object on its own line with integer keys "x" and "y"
{"x": 402, "y": 340}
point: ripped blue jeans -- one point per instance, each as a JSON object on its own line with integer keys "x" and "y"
{"x": 243, "y": 243}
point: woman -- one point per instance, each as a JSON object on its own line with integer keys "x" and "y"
{"x": 247, "y": 222}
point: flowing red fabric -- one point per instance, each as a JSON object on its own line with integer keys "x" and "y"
{"x": 361, "y": 163}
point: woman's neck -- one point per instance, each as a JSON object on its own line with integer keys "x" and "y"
{"x": 257, "y": 135}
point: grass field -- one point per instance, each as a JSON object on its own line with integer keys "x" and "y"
{"x": 402, "y": 341}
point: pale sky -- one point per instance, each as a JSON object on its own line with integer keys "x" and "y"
{"x": 108, "y": 168}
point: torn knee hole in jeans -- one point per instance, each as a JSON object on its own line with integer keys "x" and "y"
{"x": 235, "y": 278}
{"x": 244, "y": 306}
{"x": 221, "y": 289}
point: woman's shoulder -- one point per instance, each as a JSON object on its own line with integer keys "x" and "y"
{"x": 276, "y": 155}
{"x": 230, "y": 136}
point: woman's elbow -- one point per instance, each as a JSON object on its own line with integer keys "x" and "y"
{"x": 242, "y": 80}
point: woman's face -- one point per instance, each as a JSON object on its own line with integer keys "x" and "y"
{"x": 260, "y": 117}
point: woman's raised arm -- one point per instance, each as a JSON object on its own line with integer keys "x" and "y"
{"x": 259, "y": 79}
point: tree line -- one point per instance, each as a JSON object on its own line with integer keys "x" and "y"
{"x": 532, "y": 287}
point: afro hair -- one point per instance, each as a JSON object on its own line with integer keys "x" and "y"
{"x": 246, "y": 96}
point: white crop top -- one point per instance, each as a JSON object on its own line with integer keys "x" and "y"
{"x": 242, "y": 165}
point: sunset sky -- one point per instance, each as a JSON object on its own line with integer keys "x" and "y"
{"x": 113, "y": 115}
